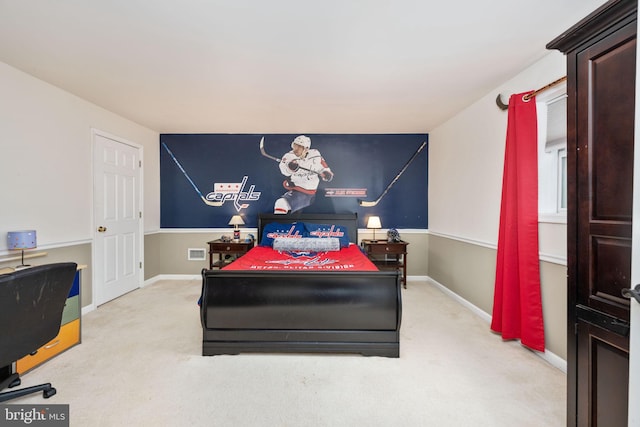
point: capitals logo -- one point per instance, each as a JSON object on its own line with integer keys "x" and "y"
{"x": 304, "y": 259}
{"x": 234, "y": 191}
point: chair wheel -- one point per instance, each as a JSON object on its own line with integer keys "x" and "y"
{"x": 48, "y": 393}
{"x": 15, "y": 383}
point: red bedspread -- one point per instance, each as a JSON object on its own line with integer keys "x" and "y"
{"x": 350, "y": 258}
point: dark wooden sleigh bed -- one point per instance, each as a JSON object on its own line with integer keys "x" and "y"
{"x": 301, "y": 311}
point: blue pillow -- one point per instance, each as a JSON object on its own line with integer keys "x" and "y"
{"x": 275, "y": 229}
{"x": 328, "y": 230}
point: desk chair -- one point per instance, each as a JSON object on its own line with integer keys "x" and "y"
{"x": 31, "y": 305}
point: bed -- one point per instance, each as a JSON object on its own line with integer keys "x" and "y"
{"x": 299, "y": 310}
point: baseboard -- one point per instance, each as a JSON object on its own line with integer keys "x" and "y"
{"x": 88, "y": 309}
{"x": 160, "y": 277}
{"x": 551, "y": 358}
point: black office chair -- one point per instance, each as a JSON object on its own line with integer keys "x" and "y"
{"x": 31, "y": 305}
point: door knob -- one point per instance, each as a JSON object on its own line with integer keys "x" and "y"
{"x": 632, "y": 293}
{"x": 102, "y": 229}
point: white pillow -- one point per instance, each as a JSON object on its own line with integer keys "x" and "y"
{"x": 310, "y": 244}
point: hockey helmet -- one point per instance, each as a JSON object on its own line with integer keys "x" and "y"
{"x": 393, "y": 235}
{"x": 303, "y": 141}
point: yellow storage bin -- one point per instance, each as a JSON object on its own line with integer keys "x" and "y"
{"x": 68, "y": 336}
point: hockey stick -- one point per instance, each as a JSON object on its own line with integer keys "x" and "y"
{"x": 269, "y": 156}
{"x": 375, "y": 202}
{"x": 204, "y": 199}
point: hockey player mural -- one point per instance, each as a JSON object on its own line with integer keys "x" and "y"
{"x": 207, "y": 178}
{"x": 303, "y": 167}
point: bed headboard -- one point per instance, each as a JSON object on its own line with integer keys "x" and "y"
{"x": 346, "y": 220}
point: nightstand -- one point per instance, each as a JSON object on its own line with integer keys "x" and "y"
{"x": 388, "y": 255}
{"x": 227, "y": 252}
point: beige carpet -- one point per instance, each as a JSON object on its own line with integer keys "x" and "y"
{"x": 139, "y": 365}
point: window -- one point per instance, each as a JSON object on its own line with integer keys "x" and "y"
{"x": 552, "y": 155}
{"x": 562, "y": 182}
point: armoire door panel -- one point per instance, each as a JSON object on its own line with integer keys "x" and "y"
{"x": 605, "y": 171}
{"x": 611, "y": 272}
{"x": 603, "y": 372}
{"x": 611, "y": 142}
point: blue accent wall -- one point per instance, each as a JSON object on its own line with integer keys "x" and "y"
{"x": 195, "y": 167}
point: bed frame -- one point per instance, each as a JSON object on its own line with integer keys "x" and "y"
{"x": 302, "y": 311}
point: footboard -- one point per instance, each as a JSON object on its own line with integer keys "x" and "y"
{"x": 307, "y": 311}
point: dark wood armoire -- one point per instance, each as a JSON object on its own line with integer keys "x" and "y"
{"x": 601, "y": 71}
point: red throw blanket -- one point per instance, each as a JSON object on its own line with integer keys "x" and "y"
{"x": 262, "y": 258}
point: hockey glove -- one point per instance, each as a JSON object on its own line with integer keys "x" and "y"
{"x": 326, "y": 175}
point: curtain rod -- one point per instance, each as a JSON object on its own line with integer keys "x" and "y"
{"x": 527, "y": 97}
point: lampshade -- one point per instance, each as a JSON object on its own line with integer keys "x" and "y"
{"x": 236, "y": 220}
{"x": 374, "y": 222}
{"x": 25, "y": 239}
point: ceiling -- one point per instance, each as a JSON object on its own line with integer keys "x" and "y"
{"x": 281, "y": 66}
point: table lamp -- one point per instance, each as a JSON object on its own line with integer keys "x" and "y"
{"x": 25, "y": 239}
{"x": 373, "y": 223}
{"x": 236, "y": 221}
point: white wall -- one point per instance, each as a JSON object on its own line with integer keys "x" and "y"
{"x": 465, "y": 187}
{"x": 46, "y": 160}
{"x": 466, "y": 165}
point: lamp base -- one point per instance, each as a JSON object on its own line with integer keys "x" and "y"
{"x": 22, "y": 264}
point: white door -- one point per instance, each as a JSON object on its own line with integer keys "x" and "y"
{"x": 117, "y": 218}
{"x": 634, "y": 339}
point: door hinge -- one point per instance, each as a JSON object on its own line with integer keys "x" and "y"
{"x": 140, "y": 264}
{"x": 140, "y": 214}
{"x": 139, "y": 163}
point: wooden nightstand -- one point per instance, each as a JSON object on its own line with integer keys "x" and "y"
{"x": 388, "y": 255}
{"x": 227, "y": 252}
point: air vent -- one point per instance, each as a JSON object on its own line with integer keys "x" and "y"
{"x": 196, "y": 254}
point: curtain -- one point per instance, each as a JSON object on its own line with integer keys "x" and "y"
{"x": 517, "y": 301}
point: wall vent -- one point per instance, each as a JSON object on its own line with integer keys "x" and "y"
{"x": 196, "y": 254}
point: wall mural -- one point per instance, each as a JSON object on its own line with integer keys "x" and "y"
{"x": 207, "y": 178}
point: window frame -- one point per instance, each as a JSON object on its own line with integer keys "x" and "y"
{"x": 550, "y": 161}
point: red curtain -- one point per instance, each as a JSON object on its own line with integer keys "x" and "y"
{"x": 517, "y": 301}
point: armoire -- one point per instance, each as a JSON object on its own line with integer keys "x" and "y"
{"x": 601, "y": 70}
